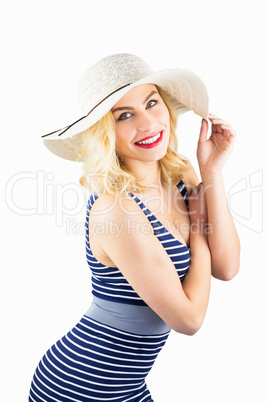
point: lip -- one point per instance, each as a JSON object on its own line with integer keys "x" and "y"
{"x": 154, "y": 144}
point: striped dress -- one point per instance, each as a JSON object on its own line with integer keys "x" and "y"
{"x": 97, "y": 361}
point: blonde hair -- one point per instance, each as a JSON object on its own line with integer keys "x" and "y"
{"x": 103, "y": 170}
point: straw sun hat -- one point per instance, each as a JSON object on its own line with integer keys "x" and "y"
{"x": 108, "y": 80}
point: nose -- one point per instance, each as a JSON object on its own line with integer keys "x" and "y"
{"x": 145, "y": 123}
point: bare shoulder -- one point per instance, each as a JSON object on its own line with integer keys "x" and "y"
{"x": 113, "y": 218}
{"x": 115, "y": 204}
{"x": 190, "y": 179}
{"x": 117, "y": 209}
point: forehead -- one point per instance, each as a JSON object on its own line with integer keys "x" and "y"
{"x": 135, "y": 94}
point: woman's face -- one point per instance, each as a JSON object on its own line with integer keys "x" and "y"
{"x": 141, "y": 116}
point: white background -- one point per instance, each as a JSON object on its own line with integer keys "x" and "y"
{"x": 45, "y": 285}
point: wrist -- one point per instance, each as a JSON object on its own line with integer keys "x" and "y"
{"x": 199, "y": 241}
{"x": 210, "y": 176}
{"x": 199, "y": 228}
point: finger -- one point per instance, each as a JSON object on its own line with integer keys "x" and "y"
{"x": 196, "y": 190}
{"x": 222, "y": 127}
{"x": 217, "y": 120}
{"x": 200, "y": 188}
{"x": 225, "y": 129}
{"x": 203, "y": 131}
{"x": 211, "y": 116}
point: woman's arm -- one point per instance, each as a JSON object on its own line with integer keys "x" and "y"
{"x": 212, "y": 154}
{"x": 222, "y": 237}
{"x": 145, "y": 264}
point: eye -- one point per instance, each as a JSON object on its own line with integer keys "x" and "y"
{"x": 152, "y": 103}
{"x": 124, "y": 116}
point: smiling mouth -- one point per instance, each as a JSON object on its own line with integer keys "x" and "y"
{"x": 149, "y": 142}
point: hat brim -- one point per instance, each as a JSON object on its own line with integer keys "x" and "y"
{"x": 187, "y": 92}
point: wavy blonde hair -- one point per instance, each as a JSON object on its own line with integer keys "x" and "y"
{"x": 103, "y": 170}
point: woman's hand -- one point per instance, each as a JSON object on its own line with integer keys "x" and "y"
{"x": 198, "y": 210}
{"x": 198, "y": 213}
{"x": 213, "y": 152}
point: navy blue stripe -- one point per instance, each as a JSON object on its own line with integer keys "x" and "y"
{"x": 95, "y": 362}
{"x": 108, "y": 283}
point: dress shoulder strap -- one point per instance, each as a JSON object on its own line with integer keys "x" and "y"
{"x": 183, "y": 191}
{"x": 181, "y": 187}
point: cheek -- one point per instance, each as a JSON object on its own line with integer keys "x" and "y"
{"x": 122, "y": 137}
{"x": 163, "y": 116}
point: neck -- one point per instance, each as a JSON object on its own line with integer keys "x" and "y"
{"x": 147, "y": 174}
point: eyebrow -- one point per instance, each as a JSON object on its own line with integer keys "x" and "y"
{"x": 132, "y": 108}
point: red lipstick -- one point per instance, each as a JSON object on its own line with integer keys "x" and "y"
{"x": 153, "y": 144}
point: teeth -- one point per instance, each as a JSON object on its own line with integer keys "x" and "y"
{"x": 151, "y": 140}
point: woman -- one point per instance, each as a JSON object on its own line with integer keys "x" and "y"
{"x": 159, "y": 237}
